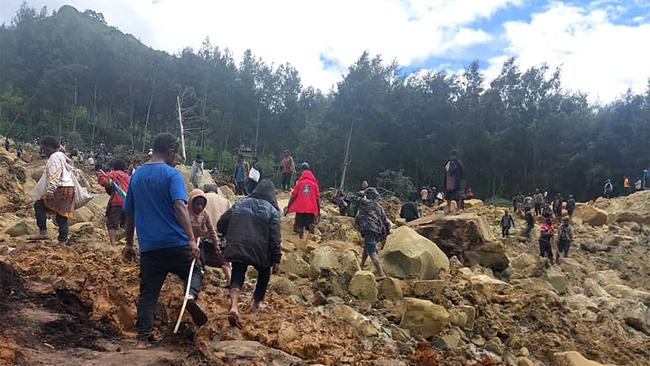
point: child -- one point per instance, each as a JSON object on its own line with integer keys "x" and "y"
{"x": 530, "y": 222}
{"x": 565, "y": 237}
{"x": 545, "y": 237}
{"x": 506, "y": 222}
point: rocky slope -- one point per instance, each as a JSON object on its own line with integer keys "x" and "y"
{"x": 458, "y": 294}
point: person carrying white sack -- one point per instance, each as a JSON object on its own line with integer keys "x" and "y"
{"x": 59, "y": 196}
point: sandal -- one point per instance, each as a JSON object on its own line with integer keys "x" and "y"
{"x": 233, "y": 319}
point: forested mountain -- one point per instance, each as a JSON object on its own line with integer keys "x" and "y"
{"x": 69, "y": 74}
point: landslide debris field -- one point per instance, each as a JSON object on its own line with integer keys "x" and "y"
{"x": 472, "y": 299}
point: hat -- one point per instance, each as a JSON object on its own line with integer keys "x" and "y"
{"x": 304, "y": 165}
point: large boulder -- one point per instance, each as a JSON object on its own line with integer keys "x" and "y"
{"x": 410, "y": 255}
{"x": 363, "y": 286}
{"x": 293, "y": 263}
{"x": 349, "y": 316}
{"x": 624, "y": 292}
{"x": 588, "y": 214}
{"x": 467, "y": 236}
{"x": 423, "y": 318}
{"x": 186, "y": 171}
{"x": 344, "y": 263}
{"x": 573, "y": 358}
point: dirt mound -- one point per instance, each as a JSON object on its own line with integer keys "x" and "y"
{"x": 11, "y": 286}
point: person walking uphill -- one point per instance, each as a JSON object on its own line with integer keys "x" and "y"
{"x": 156, "y": 206}
{"x": 453, "y": 178}
{"x": 241, "y": 174}
{"x": 546, "y": 233}
{"x": 252, "y": 230}
{"x": 203, "y": 226}
{"x": 373, "y": 224}
{"x": 115, "y": 218}
{"x": 305, "y": 201}
{"x": 564, "y": 239}
{"x": 59, "y": 194}
{"x": 288, "y": 168}
{"x": 506, "y": 223}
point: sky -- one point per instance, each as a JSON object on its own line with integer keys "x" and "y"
{"x": 598, "y": 44}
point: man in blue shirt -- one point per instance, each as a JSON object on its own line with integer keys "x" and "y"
{"x": 156, "y": 205}
{"x": 241, "y": 174}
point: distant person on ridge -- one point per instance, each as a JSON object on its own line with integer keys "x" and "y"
{"x": 7, "y": 145}
{"x": 506, "y": 223}
{"x": 197, "y": 171}
{"x": 19, "y": 151}
{"x": 626, "y": 185}
{"x": 538, "y": 201}
{"x": 424, "y": 195}
{"x": 373, "y": 224}
{"x": 288, "y": 169}
{"x": 241, "y": 174}
{"x": 530, "y": 223}
{"x": 115, "y": 218}
{"x": 545, "y": 238}
{"x": 363, "y": 185}
{"x": 570, "y": 206}
{"x": 469, "y": 194}
{"x": 557, "y": 206}
{"x": 305, "y": 201}
{"x": 638, "y": 185}
{"x": 564, "y": 239}
{"x": 547, "y": 212}
{"x": 251, "y": 183}
{"x": 60, "y": 191}
{"x": 453, "y": 180}
{"x": 528, "y": 202}
{"x": 409, "y": 210}
{"x": 608, "y": 189}
{"x": 252, "y": 231}
{"x": 156, "y": 206}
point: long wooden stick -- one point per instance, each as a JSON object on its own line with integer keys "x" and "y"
{"x": 187, "y": 293}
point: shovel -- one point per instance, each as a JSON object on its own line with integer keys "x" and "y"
{"x": 187, "y": 293}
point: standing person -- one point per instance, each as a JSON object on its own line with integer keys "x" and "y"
{"x": 288, "y": 169}
{"x": 252, "y": 231}
{"x": 409, "y": 210}
{"x": 453, "y": 177}
{"x": 60, "y": 191}
{"x": 557, "y": 206}
{"x": 196, "y": 173}
{"x": 638, "y": 185}
{"x": 530, "y": 223}
{"x": 528, "y": 202}
{"x": 204, "y": 227}
{"x": 547, "y": 213}
{"x": 241, "y": 173}
{"x": 424, "y": 195}
{"x": 645, "y": 177}
{"x": 515, "y": 203}
{"x": 253, "y": 178}
{"x": 90, "y": 163}
{"x": 156, "y": 206}
{"x": 363, "y": 185}
{"x": 570, "y": 206}
{"x": 608, "y": 189}
{"x": 626, "y": 185}
{"x": 19, "y": 151}
{"x": 538, "y": 201}
{"x": 469, "y": 194}
{"x": 564, "y": 239}
{"x": 305, "y": 201}
{"x": 506, "y": 223}
{"x": 7, "y": 145}
{"x": 545, "y": 238}
{"x": 373, "y": 224}
{"x": 115, "y": 218}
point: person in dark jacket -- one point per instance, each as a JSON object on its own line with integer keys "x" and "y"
{"x": 453, "y": 177}
{"x": 252, "y": 231}
{"x": 530, "y": 222}
{"x": 409, "y": 210}
{"x": 373, "y": 224}
{"x": 557, "y": 206}
{"x": 506, "y": 223}
{"x": 570, "y": 206}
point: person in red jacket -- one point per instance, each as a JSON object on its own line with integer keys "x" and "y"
{"x": 305, "y": 201}
{"x": 115, "y": 218}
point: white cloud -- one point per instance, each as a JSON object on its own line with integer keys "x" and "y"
{"x": 299, "y": 31}
{"x": 597, "y": 56}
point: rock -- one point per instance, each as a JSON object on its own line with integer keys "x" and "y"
{"x": 286, "y": 335}
{"x": 608, "y": 277}
{"x": 294, "y": 263}
{"x": 593, "y": 289}
{"x": 470, "y": 311}
{"x": 450, "y": 340}
{"x": 428, "y": 288}
{"x": 83, "y": 214}
{"x": 572, "y": 358}
{"x": 342, "y": 262}
{"x": 557, "y": 279}
{"x": 363, "y": 286}
{"x": 624, "y": 292}
{"x": 594, "y": 247}
{"x": 399, "y": 334}
{"x": 458, "y": 318}
{"x": 467, "y": 236}
{"x": 283, "y": 286}
{"x": 523, "y": 361}
{"x": 391, "y": 289}
{"x": 339, "y": 228}
{"x": 360, "y": 323}
{"x": 186, "y": 172}
{"x": 244, "y": 353}
{"x": 19, "y": 228}
{"x": 523, "y": 265}
{"x": 590, "y": 215}
{"x": 82, "y": 228}
{"x": 228, "y": 193}
{"x": 632, "y": 312}
{"x": 410, "y": 255}
{"x": 422, "y": 317}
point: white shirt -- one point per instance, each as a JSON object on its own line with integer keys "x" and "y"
{"x": 58, "y": 172}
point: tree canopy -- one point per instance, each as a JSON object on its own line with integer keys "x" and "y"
{"x": 70, "y": 74}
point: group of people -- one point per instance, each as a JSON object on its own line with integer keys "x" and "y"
{"x": 18, "y": 151}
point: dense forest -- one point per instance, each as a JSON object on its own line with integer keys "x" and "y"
{"x": 69, "y": 74}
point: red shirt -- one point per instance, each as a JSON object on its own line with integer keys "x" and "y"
{"x": 305, "y": 194}
{"x": 119, "y": 177}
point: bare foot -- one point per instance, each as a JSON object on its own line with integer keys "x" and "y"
{"x": 233, "y": 318}
{"x": 258, "y": 306}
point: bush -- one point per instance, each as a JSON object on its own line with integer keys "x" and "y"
{"x": 395, "y": 183}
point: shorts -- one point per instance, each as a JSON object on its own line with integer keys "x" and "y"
{"x": 304, "y": 220}
{"x": 453, "y": 195}
{"x": 370, "y": 243}
{"x": 115, "y": 218}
